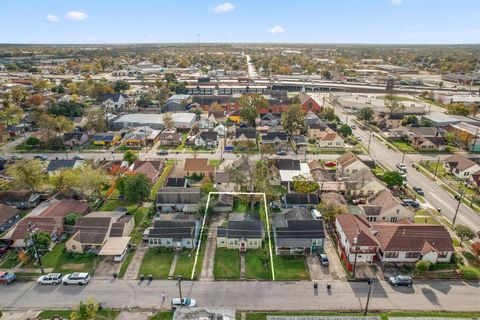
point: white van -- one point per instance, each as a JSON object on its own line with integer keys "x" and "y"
{"x": 316, "y": 214}
{"x": 121, "y": 256}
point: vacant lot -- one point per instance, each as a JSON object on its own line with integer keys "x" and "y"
{"x": 157, "y": 262}
{"x": 227, "y": 264}
{"x": 290, "y": 268}
{"x": 257, "y": 265}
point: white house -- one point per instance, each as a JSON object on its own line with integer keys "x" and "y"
{"x": 114, "y": 101}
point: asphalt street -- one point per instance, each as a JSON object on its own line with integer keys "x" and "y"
{"x": 250, "y": 295}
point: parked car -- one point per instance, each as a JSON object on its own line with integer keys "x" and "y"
{"x": 5, "y": 245}
{"x": 16, "y": 157}
{"x": 119, "y": 258}
{"x": 186, "y": 302}
{"x": 457, "y": 197}
{"x": 281, "y": 153}
{"x": 359, "y": 138}
{"x": 40, "y": 157}
{"x": 78, "y": 157}
{"x": 79, "y": 278}
{"x": 316, "y": 214}
{"x": 323, "y": 259}
{"x": 403, "y": 175}
{"x": 402, "y": 167}
{"x": 411, "y": 202}
{"x": 51, "y": 278}
{"x": 162, "y": 152}
{"x": 359, "y": 201}
{"x": 7, "y": 277}
{"x": 353, "y": 126}
{"x": 400, "y": 280}
{"x": 419, "y": 191}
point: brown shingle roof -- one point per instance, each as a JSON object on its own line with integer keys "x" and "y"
{"x": 356, "y": 226}
{"x": 7, "y": 213}
{"x": 47, "y": 224}
{"x": 198, "y": 165}
{"x": 347, "y": 159}
{"x": 64, "y": 207}
{"x": 16, "y": 196}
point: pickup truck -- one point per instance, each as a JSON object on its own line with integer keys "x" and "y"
{"x": 6, "y": 277}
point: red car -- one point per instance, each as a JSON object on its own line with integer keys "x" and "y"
{"x": 5, "y": 245}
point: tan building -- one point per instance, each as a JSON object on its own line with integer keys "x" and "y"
{"x": 241, "y": 235}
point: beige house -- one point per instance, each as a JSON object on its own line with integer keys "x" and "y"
{"x": 330, "y": 140}
{"x": 241, "y": 235}
{"x": 96, "y": 228}
{"x": 348, "y": 164}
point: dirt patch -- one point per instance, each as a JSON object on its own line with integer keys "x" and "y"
{"x": 74, "y": 266}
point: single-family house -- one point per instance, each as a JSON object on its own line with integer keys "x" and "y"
{"x": 241, "y": 235}
{"x": 178, "y": 199}
{"x": 20, "y": 199}
{"x": 301, "y": 200}
{"x": 171, "y": 139}
{"x": 460, "y": 166}
{"x": 330, "y": 141}
{"x": 299, "y": 237}
{"x": 178, "y": 234}
{"x": 152, "y": 169}
{"x": 223, "y": 183}
{"x": 311, "y": 118}
{"x": 317, "y": 130}
{"x": 141, "y": 136}
{"x": 348, "y": 164}
{"x": 207, "y": 139}
{"x": 234, "y": 116}
{"x": 299, "y": 143}
{"x": 176, "y": 182}
{"x": 383, "y": 206}
{"x": 388, "y": 120}
{"x": 8, "y": 216}
{"x": 197, "y": 166}
{"x": 277, "y": 140}
{"x": 114, "y": 101}
{"x": 428, "y": 143}
{"x": 57, "y": 165}
{"x": 71, "y": 139}
{"x": 221, "y": 130}
{"x": 269, "y": 120}
{"x": 224, "y": 203}
{"x": 177, "y": 103}
{"x": 245, "y": 135}
{"x": 106, "y": 139}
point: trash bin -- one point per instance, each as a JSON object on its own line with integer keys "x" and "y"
{"x": 150, "y": 277}
{"x": 115, "y": 275}
{"x": 142, "y": 277}
{"x": 329, "y": 286}
{"x": 315, "y": 285}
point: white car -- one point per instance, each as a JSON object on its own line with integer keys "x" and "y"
{"x": 79, "y": 278}
{"x": 186, "y": 302}
{"x": 359, "y": 138}
{"x": 119, "y": 258}
{"x": 51, "y": 278}
{"x": 78, "y": 157}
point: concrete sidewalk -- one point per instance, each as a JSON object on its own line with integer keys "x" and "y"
{"x": 132, "y": 270}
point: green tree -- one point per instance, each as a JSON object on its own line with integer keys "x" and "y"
{"x": 422, "y": 265}
{"x": 63, "y": 181}
{"x": 168, "y": 120}
{"x": 120, "y": 86}
{"x": 207, "y": 186}
{"x": 393, "y": 104}
{"x": 301, "y": 184}
{"x": 67, "y": 109}
{"x": 71, "y": 218}
{"x": 96, "y": 121}
{"x": 464, "y": 233}
{"x": 410, "y": 120}
{"x": 393, "y": 178}
{"x": 32, "y": 141}
{"x": 365, "y": 114}
{"x": 130, "y": 156}
{"x": 134, "y": 187}
{"x": 292, "y": 119}
{"x": 86, "y": 311}
{"x": 249, "y": 105}
{"x": 328, "y": 114}
{"x": 462, "y": 109}
{"x": 144, "y": 100}
{"x": 52, "y": 125}
{"x": 327, "y": 74}
{"x": 42, "y": 241}
{"x": 345, "y": 130}
{"x": 26, "y": 174}
{"x": 330, "y": 211}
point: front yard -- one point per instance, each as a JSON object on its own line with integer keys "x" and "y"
{"x": 257, "y": 265}
{"x": 157, "y": 262}
{"x": 227, "y": 264}
{"x": 64, "y": 262}
{"x": 290, "y": 268}
{"x": 184, "y": 265}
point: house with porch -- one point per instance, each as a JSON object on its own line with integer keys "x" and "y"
{"x": 299, "y": 237}
{"x": 241, "y": 235}
{"x": 173, "y": 199}
{"x": 177, "y": 234}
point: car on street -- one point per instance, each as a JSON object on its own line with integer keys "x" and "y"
{"x": 78, "y": 157}
{"x": 40, "y": 157}
{"x": 419, "y": 191}
{"x": 162, "y": 152}
{"x": 17, "y": 157}
{"x": 5, "y": 245}
{"x": 401, "y": 167}
{"x": 359, "y": 138}
{"x": 323, "y": 259}
{"x": 7, "y": 277}
{"x": 353, "y": 126}
{"x": 400, "y": 280}
{"x": 51, "y": 278}
{"x": 411, "y": 202}
{"x": 185, "y": 302}
{"x": 79, "y": 278}
{"x": 403, "y": 175}
{"x": 281, "y": 153}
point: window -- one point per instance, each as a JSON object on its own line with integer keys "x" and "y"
{"x": 393, "y": 219}
{"x": 392, "y": 254}
{"x": 372, "y": 219}
{"x": 411, "y": 255}
{"x": 443, "y": 254}
{"x": 74, "y": 247}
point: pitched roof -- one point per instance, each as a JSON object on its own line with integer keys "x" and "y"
{"x": 287, "y": 164}
{"x": 241, "y": 229}
{"x": 70, "y": 135}
{"x": 150, "y": 168}
{"x": 178, "y": 195}
{"x": 222, "y": 177}
{"x": 47, "y": 224}
{"x": 459, "y": 161}
{"x": 302, "y": 198}
{"x": 15, "y": 196}
{"x": 92, "y": 230}
{"x": 175, "y": 229}
{"x": 330, "y": 137}
{"x": 66, "y": 206}
{"x": 55, "y": 165}
{"x": 297, "y": 214}
{"x": 7, "y": 213}
{"x": 301, "y": 229}
{"x": 208, "y": 135}
{"x": 197, "y": 164}
{"x": 412, "y": 237}
{"x": 355, "y": 226}
{"x": 347, "y": 159}
{"x": 175, "y": 182}
{"x": 382, "y": 201}
{"x": 271, "y": 136}
{"x": 112, "y": 96}
{"x": 249, "y": 133}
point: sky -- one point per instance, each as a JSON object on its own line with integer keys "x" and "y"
{"x": 274, "y": 21}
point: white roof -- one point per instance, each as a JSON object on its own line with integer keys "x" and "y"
{"x": 114, "y": 246}
{"x": 288, "y": 175}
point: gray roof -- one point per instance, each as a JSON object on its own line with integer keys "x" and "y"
{"x": 242, "y": 229}
{"x": 301, "y": 198}
{"x": 92, "y": 230}
{"x": 175, "y": 229}
{"x": 178, "y": 195}
{"x": 301, "y": 229}
{"x": 55, "y": 165}
{"x": 250, "y": 133}
{"x": 287, "y": 164}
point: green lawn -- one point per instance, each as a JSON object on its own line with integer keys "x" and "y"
{"x": 227, "y": 264}
{"x": 63, "y": 262}
{"x": 201, "y": 254}
{"x": 125, "y": 263}
{"x": 239, "y": 206}
{"x": 184, "y": 265}
{"x": 102, "y": 315}
{"x": 161, "y": 179}
{"x": 290, "y": 268}
{"x": 157, "y": 262}
{"x": 425, "y": 219}
{"x": 162, "y": 315}
{"x": 254, "y": 265}
{"x": 215, "y": 163}
{"x": 111, "y": 205}
{"x": 404, "y": 146}
{"x": 10, "y": 260}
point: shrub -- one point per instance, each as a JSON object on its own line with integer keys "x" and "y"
{"x": 422, "y": 265}
{"x": 469, "y": 273}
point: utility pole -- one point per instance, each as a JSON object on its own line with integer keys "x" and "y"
{"x": 474, "y": 141}
{"x": 403, "y": 157}
{"x": 34, "y": 242}
{"x": 436, "y": 168}
{"x": 458, "y": 207}
{"x": 473, "y": 75}
{"x": 369, "y": 139}
{"x": 355, "y": 242}
{"x": 145, "y": 139}
{"x": 179, "y": 282}
{"x": 370, "y": 283}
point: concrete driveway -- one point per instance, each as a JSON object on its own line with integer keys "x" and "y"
{"x": 211, "y": 245}
{"x": 106, "y": 267}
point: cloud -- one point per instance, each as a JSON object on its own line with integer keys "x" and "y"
{"x": 224, "y": 7}
{"x": 76, "y": 15}
{"x": 51, "y": 18}
{"x": 396, "y": 2}
{"x": 276, "y": 29}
